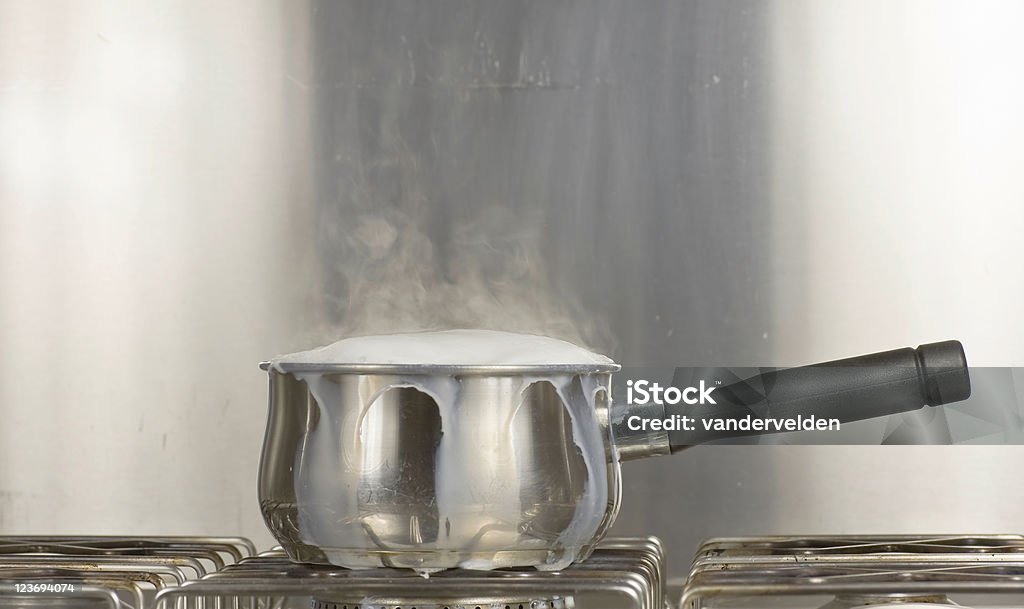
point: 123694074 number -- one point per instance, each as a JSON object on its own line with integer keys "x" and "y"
{"x": 44, "y": 587}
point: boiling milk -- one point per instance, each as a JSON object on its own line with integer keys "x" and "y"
{"x": 324, "y": 452}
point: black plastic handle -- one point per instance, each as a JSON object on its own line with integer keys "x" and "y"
{"x": 850, "y": 389}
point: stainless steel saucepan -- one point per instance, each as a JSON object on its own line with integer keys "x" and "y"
{"x": 434, "y": 467}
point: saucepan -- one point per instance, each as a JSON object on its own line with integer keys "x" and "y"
{"x": 412, "y": 453}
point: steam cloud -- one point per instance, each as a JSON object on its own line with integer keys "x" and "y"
{"x": 488, "y": 274}
{"x": 401, "y": 250}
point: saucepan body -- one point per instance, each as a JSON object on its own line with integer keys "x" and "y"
{"x": 434, "y": 468}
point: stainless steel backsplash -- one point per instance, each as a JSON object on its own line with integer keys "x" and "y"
{"x": 186, "y": 190}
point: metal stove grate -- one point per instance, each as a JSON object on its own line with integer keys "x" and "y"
{"x": 107, "y": 571}
{"x": 857, "y": 571}
{"x": 621, "y": 574}
{"x": 196, "y": 572}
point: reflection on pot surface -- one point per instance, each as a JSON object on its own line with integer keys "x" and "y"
{"x": 367, "y": 469}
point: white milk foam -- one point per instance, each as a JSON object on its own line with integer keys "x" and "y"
{"x": 450, "y": 348}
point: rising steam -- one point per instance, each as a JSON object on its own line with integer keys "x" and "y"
{"x": 488, "y": 274}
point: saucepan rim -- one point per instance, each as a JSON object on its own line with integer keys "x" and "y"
{"x": 437, "y": 370}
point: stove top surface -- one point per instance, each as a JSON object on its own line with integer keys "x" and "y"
{"x": 791, "y": 572}
{"x": 182, "y": 572}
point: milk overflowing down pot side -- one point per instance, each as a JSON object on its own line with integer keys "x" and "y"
{"x": 483, "y": 450}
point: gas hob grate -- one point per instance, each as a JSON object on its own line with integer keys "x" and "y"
{"x": 193, "y": 572}
{"x": 857, "y": 571}
{"x": 107, "y": 571}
